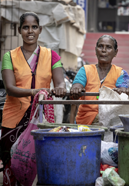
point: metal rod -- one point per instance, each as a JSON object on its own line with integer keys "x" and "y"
{"x": 40, "y": 113}
{"x": 86, "y": 94}
{"x": 78, "y": 102}
{"x": 41, "y": 97}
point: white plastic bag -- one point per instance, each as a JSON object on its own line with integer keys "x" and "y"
{"x": 110, "y": 177}
{"x": 99, "y": 182}
{"x": 106, "y": 156}
{"x": 109, "y": 113}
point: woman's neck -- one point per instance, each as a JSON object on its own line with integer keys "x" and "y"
{"x": 103, "y": 70}
{"x": 104, "y": 67}
{"x": 29, "y": 48}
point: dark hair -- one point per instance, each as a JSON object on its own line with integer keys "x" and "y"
{"x": 23, "y": 16}
{"x": 112, "y": 38}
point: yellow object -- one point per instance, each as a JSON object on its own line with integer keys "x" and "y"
{"x": 83, "y": 128}
{"x": 55, "y": 129}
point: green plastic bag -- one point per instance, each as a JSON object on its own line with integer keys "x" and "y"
{"x": 110, "y": 177}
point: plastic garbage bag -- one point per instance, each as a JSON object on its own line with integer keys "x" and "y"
{"x": 23, "y": 156}
{"x": 109, "y": 153}
{"x": 23, "y": 159}
{"x": 110, "y": 177}
{"x": 99, "y": 182}
{"x": 109, "y": 113}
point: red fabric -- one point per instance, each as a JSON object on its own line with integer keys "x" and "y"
{"x": 48, "y": 108}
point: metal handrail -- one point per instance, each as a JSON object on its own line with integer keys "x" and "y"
{"x": 78, "y": 102}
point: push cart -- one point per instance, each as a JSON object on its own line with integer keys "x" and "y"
{"x": 49, "y": 162}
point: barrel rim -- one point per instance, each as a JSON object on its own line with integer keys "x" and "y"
{"x": 115, "y": 127}
{"x": 121, "y": 132}
{"x": 94, "y": 132}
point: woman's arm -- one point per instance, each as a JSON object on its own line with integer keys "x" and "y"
{"x": 122, "y": 83}
{"x": 76, "y": 91}
{"x": 59, "y": 84}
{"x": 10, "y": 85}
{"x": 78, "y": 84}
{"x": 73, "y": 113}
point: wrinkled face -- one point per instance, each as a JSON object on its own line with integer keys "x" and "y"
{"x": 105, "y": 50}
{"x": 30, "y": 30}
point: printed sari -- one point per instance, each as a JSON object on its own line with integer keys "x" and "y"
{"x": 9, "y": 136}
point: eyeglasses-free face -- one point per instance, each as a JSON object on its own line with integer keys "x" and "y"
{"x": 30, "y": 30}
{"x": 105, "y": 51}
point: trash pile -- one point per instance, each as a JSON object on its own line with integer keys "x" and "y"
{"x": 109, "y": 166}
{"x": 109, "y": 178}
{"x": 81, "y": 128}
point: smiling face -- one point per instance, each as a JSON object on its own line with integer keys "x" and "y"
{"x": 105, "y": 50}
{"x": 30, "y": 30}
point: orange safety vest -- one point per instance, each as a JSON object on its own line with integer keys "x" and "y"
{"x": 15, "y": 108}
{"x": 87, "y": 113}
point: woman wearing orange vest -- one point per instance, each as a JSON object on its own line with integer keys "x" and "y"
{"x": 91, "y": 78}
{"x": 25, "y": 71}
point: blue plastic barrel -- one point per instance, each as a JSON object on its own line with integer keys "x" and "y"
{"x": 115, "y": 136}
{"x": 68, "y": 158}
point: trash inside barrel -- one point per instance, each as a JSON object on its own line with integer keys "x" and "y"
{"x": 125, "y": 120}
{"x": 67, "y": 158}
{"x": 52, "y": 125}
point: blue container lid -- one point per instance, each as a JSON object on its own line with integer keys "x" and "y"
{"x": 40, "y": 133}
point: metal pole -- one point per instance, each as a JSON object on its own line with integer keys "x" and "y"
{"x": 78, "y": 102}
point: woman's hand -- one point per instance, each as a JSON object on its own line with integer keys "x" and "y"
{"x": 58, "y": 92}
{"x": 76, "y": 91}
{"x": 122, "y": 90}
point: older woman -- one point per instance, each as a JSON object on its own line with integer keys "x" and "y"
{"x": 91, "y": 78}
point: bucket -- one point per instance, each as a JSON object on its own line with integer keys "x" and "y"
{"x": 112, "y": 129}
{"x": 123, "y": 154}
{"x": 67, "y": 158}
{"x": 125, "y": 120}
